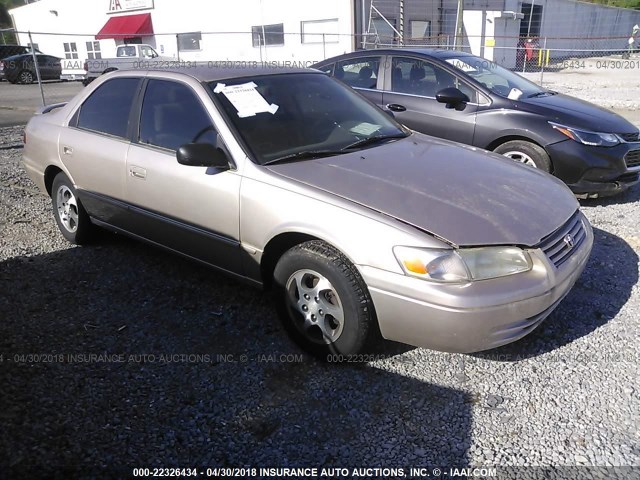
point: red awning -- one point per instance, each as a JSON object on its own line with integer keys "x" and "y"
{"x": 126, "y": 26}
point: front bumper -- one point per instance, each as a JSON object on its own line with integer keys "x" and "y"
{"x": 595, "y": 171}
{"x": 474, "y": 316}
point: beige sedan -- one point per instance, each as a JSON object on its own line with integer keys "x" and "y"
{"x": 290, "y": 180}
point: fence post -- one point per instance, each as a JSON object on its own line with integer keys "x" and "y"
{"x": 178, "y": 45}
{"x": 544, "y": 55}
{"x": 324, "y": 48}
{"x": 37, "y": 67}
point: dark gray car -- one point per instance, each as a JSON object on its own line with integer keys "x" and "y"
{"x": 468, "y": 99}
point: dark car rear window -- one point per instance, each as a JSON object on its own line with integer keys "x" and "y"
{"x": 11, "y": 50}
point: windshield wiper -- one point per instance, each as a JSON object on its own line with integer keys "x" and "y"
{"x": 544, "y": 93}
{"x": 374, "y": 139}
{"x": 304, "y": 155}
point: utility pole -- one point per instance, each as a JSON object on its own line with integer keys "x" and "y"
{"x": 459, "y": 40}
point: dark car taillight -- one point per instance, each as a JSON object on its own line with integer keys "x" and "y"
{"x": 1, "y": 65}
{"x": 86, "y": 66}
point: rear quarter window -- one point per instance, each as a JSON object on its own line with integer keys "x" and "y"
{"x": 107, "y": 109}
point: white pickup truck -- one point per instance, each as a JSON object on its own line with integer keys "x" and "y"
{"x": 128, "y": 57}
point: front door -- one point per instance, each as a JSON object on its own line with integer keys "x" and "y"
{"x": 192, "y": 210}
{"x": 411, "y": 95}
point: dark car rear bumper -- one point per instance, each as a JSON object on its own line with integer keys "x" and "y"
{"x": 596, "y": 171}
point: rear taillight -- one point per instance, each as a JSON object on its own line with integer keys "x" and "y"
{"x": 86, "y": 66}
{"x": 1, "y": 65}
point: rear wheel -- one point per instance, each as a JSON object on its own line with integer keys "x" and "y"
{"x": 25, "y": 77}
{"x": 71, "y": 217}
{"x": 527, "y": 153}
{"x": 323, "y": 301}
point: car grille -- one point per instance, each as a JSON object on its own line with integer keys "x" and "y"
{"x": 561, "y": 244}
{"x": 632, "y": 159}
{"x": 630, "y": 137}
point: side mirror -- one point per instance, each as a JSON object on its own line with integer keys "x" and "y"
{"x": 389, "y": 112}
{"x": 202, "y": 155}
{"x": 451, "y": 96}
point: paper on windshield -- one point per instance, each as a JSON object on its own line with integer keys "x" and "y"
{"x": 246, "y": 99}
{"x": 365, "y": 128}
{"x": 514, "y": 94}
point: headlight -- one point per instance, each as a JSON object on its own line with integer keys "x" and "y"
{"x": 462, "y": 265}
{"x": 595, "y": 139}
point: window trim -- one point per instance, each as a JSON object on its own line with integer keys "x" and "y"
{"x": 199, "y": 40}
{"x": 75, "y": 118}
{"x": 329, "y": 35}
{"x": 411, "y": 20}
{"x": 262, "y": 35}
{"x": 135, "y": 138}
{"x": 388, "y": 84}
{"x": 72, "y": 50}
{"x": 380, "y": 75}
{"x": 93, "y": 50}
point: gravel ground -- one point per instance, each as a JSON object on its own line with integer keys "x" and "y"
{"x": 190, "y": 368}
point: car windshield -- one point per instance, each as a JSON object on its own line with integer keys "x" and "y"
{"x": 496, "y": 78}
{"x": 297, "y": 116}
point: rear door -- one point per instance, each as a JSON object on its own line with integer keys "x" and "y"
{"x": 410, "y": 92}
{"x": 94, "y": 148}
{"x": 192, "y": 210}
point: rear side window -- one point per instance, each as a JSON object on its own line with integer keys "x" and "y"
{"x": 358, "y": 72}
{"x": 107, "y": 109}
{"x": 172, "y": 115}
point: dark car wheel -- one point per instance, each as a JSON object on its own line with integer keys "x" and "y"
{"x": 25, "y": 77}
{"x": 323, "y": 302}
{"x": 526, "y": 152}
{"x": 70, "y": 215}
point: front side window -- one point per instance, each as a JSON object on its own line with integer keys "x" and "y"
{"x": 93, "y": 50}
{"x": 172, "y": 115}
{"x": 269, "y": 35}
{"x": 359, "y": 72}
{"x": 107, "y": 109}
{"x": 70, "y": 51}
{"x": 301, "y": 115}
{"x": 418, "y": 77}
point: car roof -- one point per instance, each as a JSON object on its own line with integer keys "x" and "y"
{"x": 427, "y": 52}
{"x": 213, "y": 72}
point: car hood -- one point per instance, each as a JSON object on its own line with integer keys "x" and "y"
{"x": 464, "y": 195}
{"x": 574, "y": 112}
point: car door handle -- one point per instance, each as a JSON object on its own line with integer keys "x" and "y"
{"x": 394, "y": 107}
{"x": 67, "y": 150}
{"x": 138, "y": 172}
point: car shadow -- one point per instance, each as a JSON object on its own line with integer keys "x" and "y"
{"x": 121, "y": 355}
{"x": 602, "y": 290}
{"x": 628, "y": 196}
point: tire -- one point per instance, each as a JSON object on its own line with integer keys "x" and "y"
{"x": 526, "y": 152}
{"x": 337, "y": 317}
{"x": 25, "y": 77}
{"x": 71, "y": 217}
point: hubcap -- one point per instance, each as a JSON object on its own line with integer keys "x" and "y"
{"x": 315, "y": 306}
{"x": 67, "y": 208}
{"x": 521, "y": 157}
{"x": 26, "y": 77}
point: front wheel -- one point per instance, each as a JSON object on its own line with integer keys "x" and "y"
{"x": 527, "y": 153}
{"x": 323, "y": 302}
{"x": 71, "y": 217}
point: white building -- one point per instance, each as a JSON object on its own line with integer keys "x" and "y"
{"x": 191, "y": 30}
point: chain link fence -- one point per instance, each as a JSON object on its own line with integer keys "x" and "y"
{"x": 57, "y": 66}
